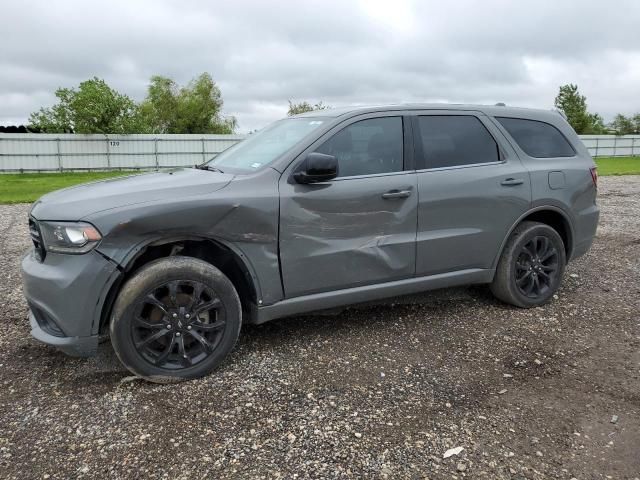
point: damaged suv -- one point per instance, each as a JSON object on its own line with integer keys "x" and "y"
{"x": 316, "y": 211}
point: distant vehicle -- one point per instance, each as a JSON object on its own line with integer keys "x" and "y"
{"x": 316, "y": 211}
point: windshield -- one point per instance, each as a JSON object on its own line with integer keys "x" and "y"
{"x": 261, "y": 148}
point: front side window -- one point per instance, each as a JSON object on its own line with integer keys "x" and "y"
{"x": 260, "y": 149}
{"x": 455, "y": 140}
{"x": 367, "y": 147}
{"x": 537, "y": 139}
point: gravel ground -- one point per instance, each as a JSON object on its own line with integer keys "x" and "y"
{"x": 380, "y": 391}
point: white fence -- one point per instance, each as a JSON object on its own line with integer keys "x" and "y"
{"x": 612, "y": 145}
{"x": 49, "y": 152}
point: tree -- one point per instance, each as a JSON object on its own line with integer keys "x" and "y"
{"x": 622, "y": 125}
{"x": 195, "y": 108}
{"x": 574, "y": 106}
{"x": 597, "y": 124}
{"x": 93, "y": 107}
{"x": 302, "y": 107}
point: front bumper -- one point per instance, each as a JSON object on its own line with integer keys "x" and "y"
{"x": 65, "y": 294}
{"x": 74, "y": 346}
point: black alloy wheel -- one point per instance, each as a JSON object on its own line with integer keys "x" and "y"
{"x": 536, "y": 267}
{"x": 178, "y": 324}
{"x": 531, "y": 265}
{"x": 176, "y": 318}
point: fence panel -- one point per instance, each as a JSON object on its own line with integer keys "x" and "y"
{"x": 612, "y": 145}
{"x": 51, "y": 152}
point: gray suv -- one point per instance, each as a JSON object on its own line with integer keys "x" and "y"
{"x": 316, "y": 211}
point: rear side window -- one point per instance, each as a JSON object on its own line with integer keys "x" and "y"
{"x": 454, "y": 140}
{"x": 537, "y": 139}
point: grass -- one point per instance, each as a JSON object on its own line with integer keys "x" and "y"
{"x": 28, "y": 187}
{"x": 618, "y": 165}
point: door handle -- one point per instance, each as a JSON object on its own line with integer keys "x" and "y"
{"x": 508, "y": 182}
{"x": 396, "y": 194}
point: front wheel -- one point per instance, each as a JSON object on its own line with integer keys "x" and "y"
{"x": 531, "y": 266}
{"x": 177, "y": 318}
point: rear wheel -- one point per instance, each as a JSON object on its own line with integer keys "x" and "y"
{"x": 531, "y": 266}
{"x": 177, "y": 318}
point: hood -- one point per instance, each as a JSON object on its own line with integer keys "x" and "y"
{"x": 77, "y": 202}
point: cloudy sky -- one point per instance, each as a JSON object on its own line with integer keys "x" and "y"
{"x": 262, "y": 53}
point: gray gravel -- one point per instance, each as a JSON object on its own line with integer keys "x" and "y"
{"x": 380, "y": 391}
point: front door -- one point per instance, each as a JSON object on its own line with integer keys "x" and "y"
{"x": 359, "y": 228}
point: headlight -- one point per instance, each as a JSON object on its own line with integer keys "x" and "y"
{"x": 68, "y": 237}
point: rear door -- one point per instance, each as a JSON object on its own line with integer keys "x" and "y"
{"x": 359, "y": 228}
{"x": 472, "y": 188}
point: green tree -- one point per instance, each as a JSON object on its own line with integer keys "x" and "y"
{"x": 93, "y": 107}
{"x": 597, "y": 126}
{"x": 574, "y": 106}
{"x": 302, "y": 107}
{"x": 195, "y": 108}
{"x": 622, "y": 125}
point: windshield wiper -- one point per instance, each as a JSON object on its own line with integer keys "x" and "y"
{"x": 210, "y": 168}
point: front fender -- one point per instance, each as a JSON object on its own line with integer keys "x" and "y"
{"x": 243, "y": 218}
{"x": 136, "y": 251}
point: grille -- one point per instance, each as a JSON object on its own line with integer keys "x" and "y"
{"x": 36, "y": 238}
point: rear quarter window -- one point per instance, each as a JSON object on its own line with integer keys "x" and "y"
{"x": 537, "y": 139}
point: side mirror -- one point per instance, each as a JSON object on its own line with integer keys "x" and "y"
{"x": 317, "y": 167}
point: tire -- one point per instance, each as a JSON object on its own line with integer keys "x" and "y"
{"x": 531, "y": 266}
{"x": 176, "y": 319}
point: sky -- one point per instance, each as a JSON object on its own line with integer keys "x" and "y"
{"x": 263, "y": 53}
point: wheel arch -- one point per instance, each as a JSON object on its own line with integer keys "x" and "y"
{"x": 228, "y": 259}
{"x": 550, "y": 215}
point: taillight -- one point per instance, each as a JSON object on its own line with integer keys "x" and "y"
{"x": 594, "y": 176}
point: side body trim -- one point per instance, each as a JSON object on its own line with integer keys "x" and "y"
{"x": 350, "y": 296}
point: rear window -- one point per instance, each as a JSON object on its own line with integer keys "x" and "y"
{"x": 537, "y": 139}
